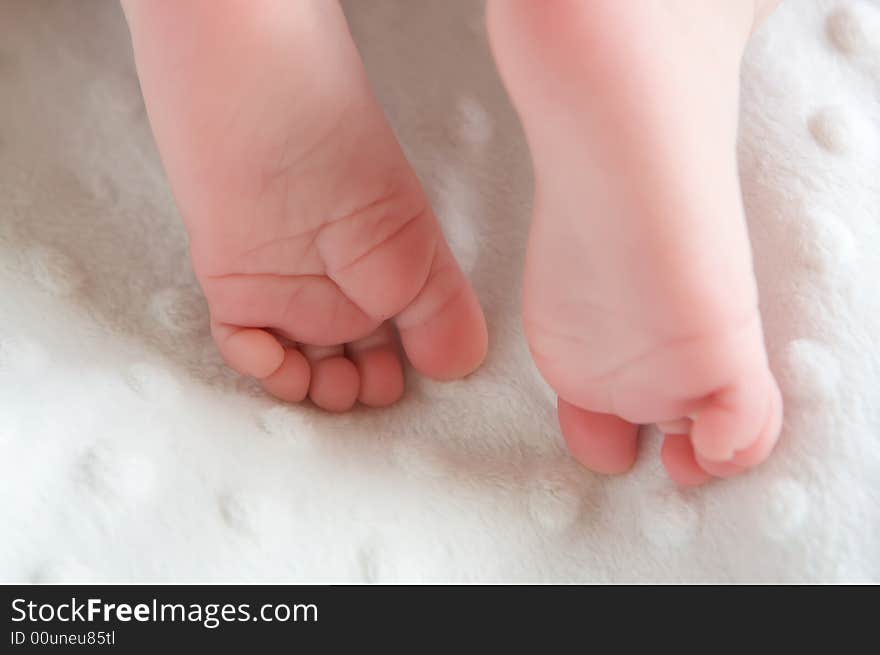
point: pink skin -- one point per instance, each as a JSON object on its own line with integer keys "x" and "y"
{"x": 309, "y": 232}
{"x": 640, "y": 301}
{"x": 315, "y": 245}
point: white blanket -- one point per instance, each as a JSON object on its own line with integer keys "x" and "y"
{"x": 128, "y": 453}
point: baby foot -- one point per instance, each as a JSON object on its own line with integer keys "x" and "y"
{"x": 309, "y": 232}
{"x": 640, "y": 301}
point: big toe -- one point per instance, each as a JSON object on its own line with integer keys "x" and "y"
{"x": 443, "y": 330}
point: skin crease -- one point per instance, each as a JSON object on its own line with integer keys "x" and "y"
{"x": 637, "y": 197}
{"x": 307, "y": 226}
{"x": 323, "y": 263}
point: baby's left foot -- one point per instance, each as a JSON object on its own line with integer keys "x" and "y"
{"x": 309, "y": 231}
{"x": 640, "y": 301}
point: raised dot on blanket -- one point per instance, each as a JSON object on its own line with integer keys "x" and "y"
{"x": 809, "y": 371}
{"x": 252, "y": 513}
{"x": 474, "y": 124}
{"x": 668, "y": 520}
{"x": 554, "y": 501}
{"x": 55, "y": 271}
{"x": 118, "y": 476}
{"x": 476, "y": 21}
{"x": 459, "y": 211}
{"x": 854, "y": 29}
{"x": 293, "y": 426}
{"x": 825, "y": 243}
{"x": 784, "y": 509}
{"x": 419, "y": 458}
{"x": 22, "y": 355}
{"x": 178, "y": 309}
{"x": 369, "y": 565}
{"x": 153, "y": 383}
{"x": 235, "y": 512}
{"x": 832, "y": 130}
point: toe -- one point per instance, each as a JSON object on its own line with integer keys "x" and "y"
{"x": 601, "y": 442}
{"x": 769, "y": 435}
{"x": 335, "y": 382}
{"x": 689, "y": 468}
{"x": 443, "y": 330}
{"x": 290, "y": 382}
{"x": 719, "y": 469}
{"x": 734, "y": 418}
{"x": 381, "y": 377}
{"x": 680, "y": 462}
{"x": 250, "y": 351}
{"x": 378, "y": 364}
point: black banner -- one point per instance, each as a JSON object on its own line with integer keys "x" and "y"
{"x": 150, "y": 618}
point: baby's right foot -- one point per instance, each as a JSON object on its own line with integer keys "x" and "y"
{"x": 309, "y": 232}
{"x": 640, "y": 301}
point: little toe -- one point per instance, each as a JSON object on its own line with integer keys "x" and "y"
{"x": 443, "y": 330}
{"x": 335, "y": 381}
{"x": 250, "y": 351}
{"x": 601, "y": 442}
{"x": 719, "y": 469}
{"x": 689, "y": 468}
{"x": 680, "y": 462}
{"x": 769, "y": 435}
{"x": 290, "y": 382}
{"x": 378, "y": 364}
{"x": 733, "y": 419}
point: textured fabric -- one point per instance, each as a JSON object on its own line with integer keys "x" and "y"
{"x": 129, "y": 453}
